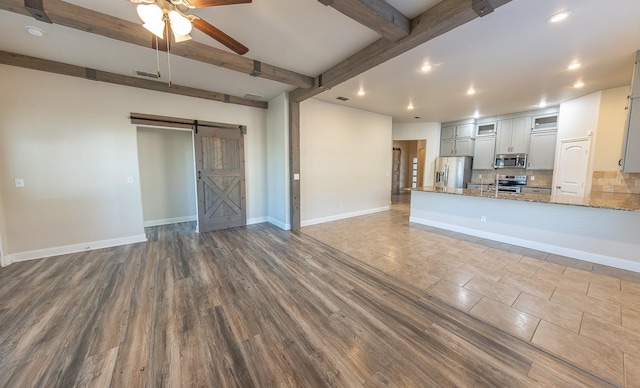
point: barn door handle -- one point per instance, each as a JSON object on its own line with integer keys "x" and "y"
{"x": 199, "y": 175}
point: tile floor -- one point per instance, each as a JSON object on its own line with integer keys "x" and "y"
{"x": 586, "y": 313}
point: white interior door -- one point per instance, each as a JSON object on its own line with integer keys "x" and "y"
{"x": 572, "y": 168}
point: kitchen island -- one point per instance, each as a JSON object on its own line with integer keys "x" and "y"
{"x": 602, "y": 228}
{"x": 618, "y": 201}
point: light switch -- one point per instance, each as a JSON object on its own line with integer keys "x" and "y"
{"x": 19, "y": 182}
{"x": 296, "y": 177}
{"x": 129, "y": 179}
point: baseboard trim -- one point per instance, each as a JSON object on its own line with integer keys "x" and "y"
{"x": 167, "y": 221}
{"x": 344, "y": 216}
{"x": 563, "y": 251}
{"x": 257, "y": 220}
{"x": 63, "y": 250}
{"x": 279, "y": 224}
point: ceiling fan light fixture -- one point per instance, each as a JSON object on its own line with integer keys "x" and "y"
{"x": 156, "y": 28}
{"x": 150, "y": 13}
{"x": 181, "y": 38}
{"x": 179, "y": 24}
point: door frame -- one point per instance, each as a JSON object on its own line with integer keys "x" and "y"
{"x": 556, "y": 171}
{"x": 155, "y": 121}
{"x": 193, "y": 163}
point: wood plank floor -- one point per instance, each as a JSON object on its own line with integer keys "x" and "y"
{"x": 254, "y": 306}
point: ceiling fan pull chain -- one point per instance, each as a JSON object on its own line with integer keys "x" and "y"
{"x": 157, "y": 56}
{"x": 168, "y": 51}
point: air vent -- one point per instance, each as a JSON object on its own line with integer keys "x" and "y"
{"x": 253, "y": 96}
{"x": 145, "y": 74}
{"x": 342, "y": 98}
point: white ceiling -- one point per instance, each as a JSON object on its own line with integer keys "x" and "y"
{"x": 513, "y": 57}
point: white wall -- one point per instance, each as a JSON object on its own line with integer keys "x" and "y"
{"x": 611, "y": 124}
{"x": 72, "y": 142}
{"x": 579, "y": 117}
{"x": 278, "y": 161}
{"x": 167, "y": 175}
{"x": 345, "y": 166}
{"x": 422, "y": 131}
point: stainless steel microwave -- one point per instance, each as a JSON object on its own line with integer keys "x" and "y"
{"x": 511, "y": 161}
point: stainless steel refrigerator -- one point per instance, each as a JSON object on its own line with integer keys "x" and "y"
{"x": 453, "y": 171}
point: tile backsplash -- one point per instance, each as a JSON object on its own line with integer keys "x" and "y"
{"x": 615, "y": 182}
{"x": 541, "y": 178}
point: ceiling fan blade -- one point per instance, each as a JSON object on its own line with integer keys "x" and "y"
{"x": 212, "y": 3}
{"x": 220, "y": 36}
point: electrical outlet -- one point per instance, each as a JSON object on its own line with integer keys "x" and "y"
{"x": 129, "y": 179}
{"x": 533, "y": 177}
{"x": 483, "y": 219}
{"x": 341, "y": 205}
{"x": 19, "y": 182}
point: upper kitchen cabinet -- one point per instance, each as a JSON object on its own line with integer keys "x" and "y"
{"x": 512, "y": 135}
{"x": 484, "y": 155}
{"x": 486, "y": 127}
{"x": 630, "y": 161}
{"x": 542, "y": 150}
{"x": 545, "y": 119}
{"x": 465, "y": 130}
{"x": 448, "y": 132}
{"x": 456, "y": 139}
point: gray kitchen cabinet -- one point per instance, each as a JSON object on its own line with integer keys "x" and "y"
{"x": 486, "y": 128}
{"x": 465, "y": 130}
{"x": 457, "y": 147}
{"x": 448, "y": 132}
{"x": 447, "y": 147}
{"x": 484, "y": 154}
{"x": 465, "y": 147}
{"x": 512, "y": 135}
{"x": 542, "y": 150}
{"x": 456, "y": 138}
{"x": 545, "y": 122}
{"x": 630, "y": 161}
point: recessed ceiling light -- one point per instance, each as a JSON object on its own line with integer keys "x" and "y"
{"x": 471, "y": 91}
{"x": 560, "y": 16}
{"x": 410, "y": 106}
{"x": 574, "y": 66}
{"x": 361, "y": 92}
{"x": 34, "y": 31}
{"x": 426, "y": 67}
{"x": 578, "y": 84}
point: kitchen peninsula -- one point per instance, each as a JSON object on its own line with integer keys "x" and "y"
{"x": 600, "y": 228}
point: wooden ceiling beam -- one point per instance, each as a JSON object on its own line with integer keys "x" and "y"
{"x": 34, "y": 63}
{"x": 378, "y": 15}
{"x": 437, "y": 20}
{"x": 79, "y": 18}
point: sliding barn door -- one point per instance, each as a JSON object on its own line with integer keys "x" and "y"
{"x": 220, "y": 166}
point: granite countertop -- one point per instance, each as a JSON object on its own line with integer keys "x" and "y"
{"x": 616, "y": 201}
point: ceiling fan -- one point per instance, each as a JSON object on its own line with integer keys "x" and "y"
{"x": 166, "y": 17}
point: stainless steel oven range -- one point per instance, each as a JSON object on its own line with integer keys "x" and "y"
{"x": 510, "y": 183}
